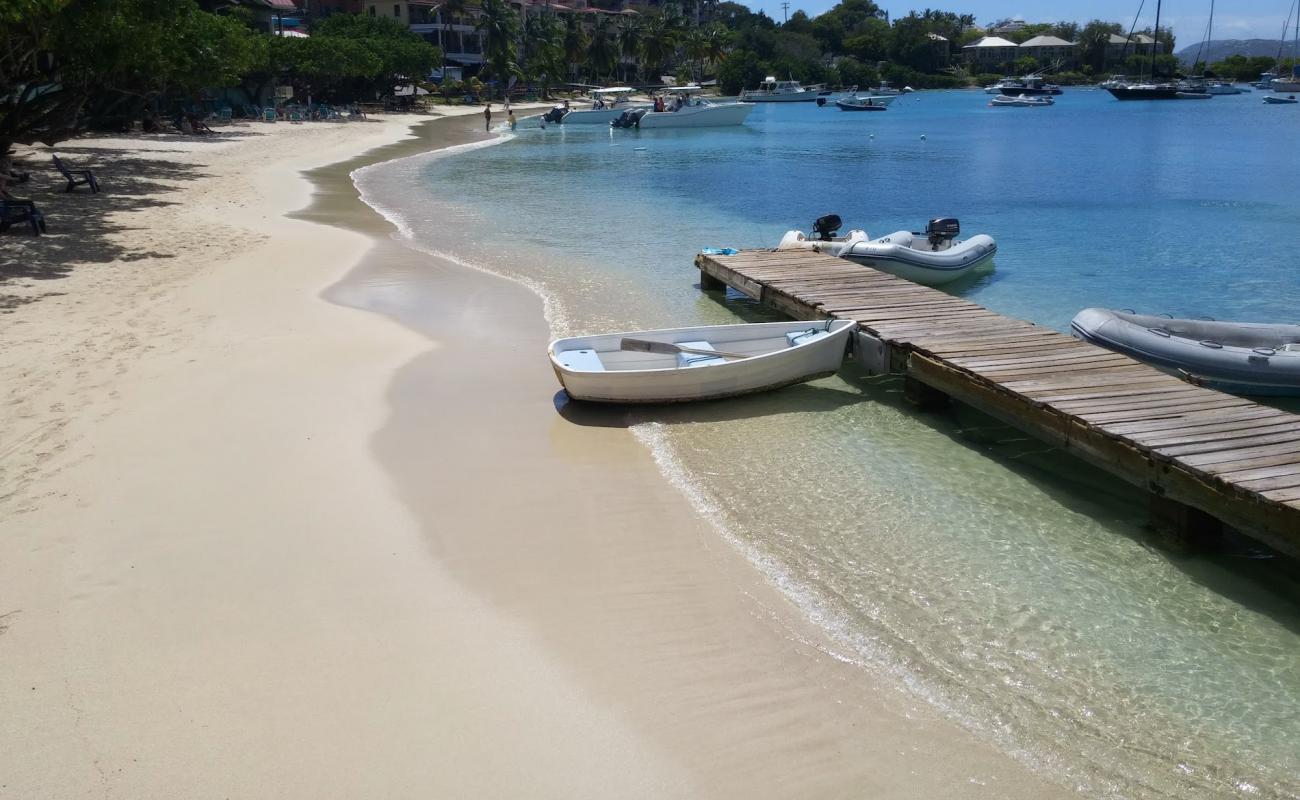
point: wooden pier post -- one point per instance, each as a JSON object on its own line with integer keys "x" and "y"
{"x": 711, "y": 284}
{"x": 924, "y": 396}
{"x": 1183, "y": 528}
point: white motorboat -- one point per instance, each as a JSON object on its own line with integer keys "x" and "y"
{"x": 932, "y": 258}
{"x": 1006, "y": 101}
{"x": 864, "y": 103}
{"x": 773, "y": 91}
{"x": 1238, "y": 357}
{"x": 686, "y": 109}
{"x": 1224, "y": 87}
{"x": 885, "y": 90}
{"x": 702, "y": 363}
{"x": 606, "y": 105}
{"x": 865, "y": 99}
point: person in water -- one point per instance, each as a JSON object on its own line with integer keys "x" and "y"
{"x": 510, "y": 116}
{"x": 487, "y": 117}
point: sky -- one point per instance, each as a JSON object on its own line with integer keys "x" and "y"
{"x": 1233, "y": 19}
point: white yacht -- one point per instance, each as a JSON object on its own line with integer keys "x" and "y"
{"x": 773, "y": 91}
{"x": 683, "y": 107}
{"x": 606, "y": 105}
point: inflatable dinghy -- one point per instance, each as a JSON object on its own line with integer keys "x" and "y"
{"x": 931, "y": 258}
{"x": 1240, "y": 357}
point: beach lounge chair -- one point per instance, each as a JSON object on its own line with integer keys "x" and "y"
{"x": 14, "y": 211}
{"x": 268, "y": 114}
{"x": 77, "y": 177}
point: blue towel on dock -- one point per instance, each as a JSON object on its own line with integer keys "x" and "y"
{"x": 719, "y": 251}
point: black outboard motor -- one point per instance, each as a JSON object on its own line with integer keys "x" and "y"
{"x": 554, "y": 115}
{"x": 826, "y": 227}
{"x": 942, "y": 229}
{"x": 628, "y": 119}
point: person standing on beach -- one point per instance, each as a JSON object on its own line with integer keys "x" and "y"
{"x": 487, "y": 117}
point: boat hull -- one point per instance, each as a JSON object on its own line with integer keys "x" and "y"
{"x": 901, "y": 254}
{"x": 849, "y": 105}
{"x": 1287, "y": 85}
{"x": 711, "y": 116}
{"x": 1280, "y": 101}
{"x": 784, "y": 366}
{"x": 779, "y": 97}
{"x": 1242, "y": 358}
{"x": 1143, "y": 92}
{"x": 598, "y": 116}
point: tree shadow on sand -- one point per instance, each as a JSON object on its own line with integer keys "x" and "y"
{"x": 83, "y": 227}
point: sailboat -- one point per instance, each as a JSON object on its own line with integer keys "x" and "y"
{"x": 1291, "y": 84}
{"x": 1152, "y": 90}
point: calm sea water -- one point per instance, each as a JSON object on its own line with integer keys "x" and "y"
{"x": 1016, "y": 590}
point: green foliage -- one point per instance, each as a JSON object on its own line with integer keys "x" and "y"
{"x": 1092, "y": 43}
{"x": 1243, "y": 68}
{"x": 66, "y": 65}
{"x": 742, "y": 70}
{"x": 851, "y": 72}
{"x": 500, "y": 26}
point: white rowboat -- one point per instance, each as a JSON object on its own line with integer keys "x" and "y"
{"x": 776, "y": 354}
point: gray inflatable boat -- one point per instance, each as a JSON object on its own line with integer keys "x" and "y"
{"x": 1239, "y": 357}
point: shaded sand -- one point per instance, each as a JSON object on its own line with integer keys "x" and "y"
{"x": 253, "y": 544}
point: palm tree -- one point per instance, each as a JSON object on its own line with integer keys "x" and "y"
{"x": 500, "y": 27}
{"x": 658, "y": 42}
{"x": 453, "y": 9}
{"x": 543, "y": 49}
{"x": 603, "y": 52}
{"x": 695, "y": 44}
{"x": 629, "y": 41}
{"x": 575, "y": 42}
{"x": 714, "y": 44}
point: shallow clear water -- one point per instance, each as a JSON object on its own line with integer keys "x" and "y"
{"x": 1015, "y": 589}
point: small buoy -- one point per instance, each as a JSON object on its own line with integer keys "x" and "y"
{"x": 872, "y": 136}
{"x": 923, "y": 137}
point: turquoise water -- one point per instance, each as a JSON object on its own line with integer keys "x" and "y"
{"x": 1015, "y": 590}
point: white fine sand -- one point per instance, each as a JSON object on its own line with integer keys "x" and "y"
{"x": 254, "y": 544}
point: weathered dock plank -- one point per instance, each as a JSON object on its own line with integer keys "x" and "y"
{"x": 1227, "y": 456}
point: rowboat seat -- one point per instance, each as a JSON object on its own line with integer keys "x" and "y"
{"x": 582, "y": 360}
{"x": 695, "y": 359}
{"x": 803, "y": 337}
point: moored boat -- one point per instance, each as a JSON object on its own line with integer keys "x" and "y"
{"x": 1007, "y": 101}
{"x": 864, "y": 103}
{"x": 606, "y": 105}
{"x": 1278, "y": 100}
{"x": 1028, "y": 86}
{"x": 931, "y": 258}
{"x": 700, "y": 363}
{"x": 773, "y": 91}
{"x": 686, "y": 110}
{"x": 1239, "y": 357}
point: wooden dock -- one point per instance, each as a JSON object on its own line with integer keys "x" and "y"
{"x": 1206, "y": 457}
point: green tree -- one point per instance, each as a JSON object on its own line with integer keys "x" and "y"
{"x": 602, "y": 55}
{"x": 66, "y": 65}
{"x": 1093, "y": 41}
{"x": 658, "y": 42}
{"x": 543, "y": 49}
{"x": 576, "y": 42}
{"x": 742, "y": 70}
{"x": 629, "y": 44}
{"x": 500, "y": 27}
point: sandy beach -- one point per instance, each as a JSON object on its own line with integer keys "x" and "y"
{"x": 288, "y": 509}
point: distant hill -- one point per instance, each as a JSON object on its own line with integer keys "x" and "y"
{"x": 1219, "y": 49}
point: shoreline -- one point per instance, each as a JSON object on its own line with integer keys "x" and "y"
{"x": 618, "y": 465}
{"x": 265, "y": 545}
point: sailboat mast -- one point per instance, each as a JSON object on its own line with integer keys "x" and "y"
{"x": 1156, "y": 44}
